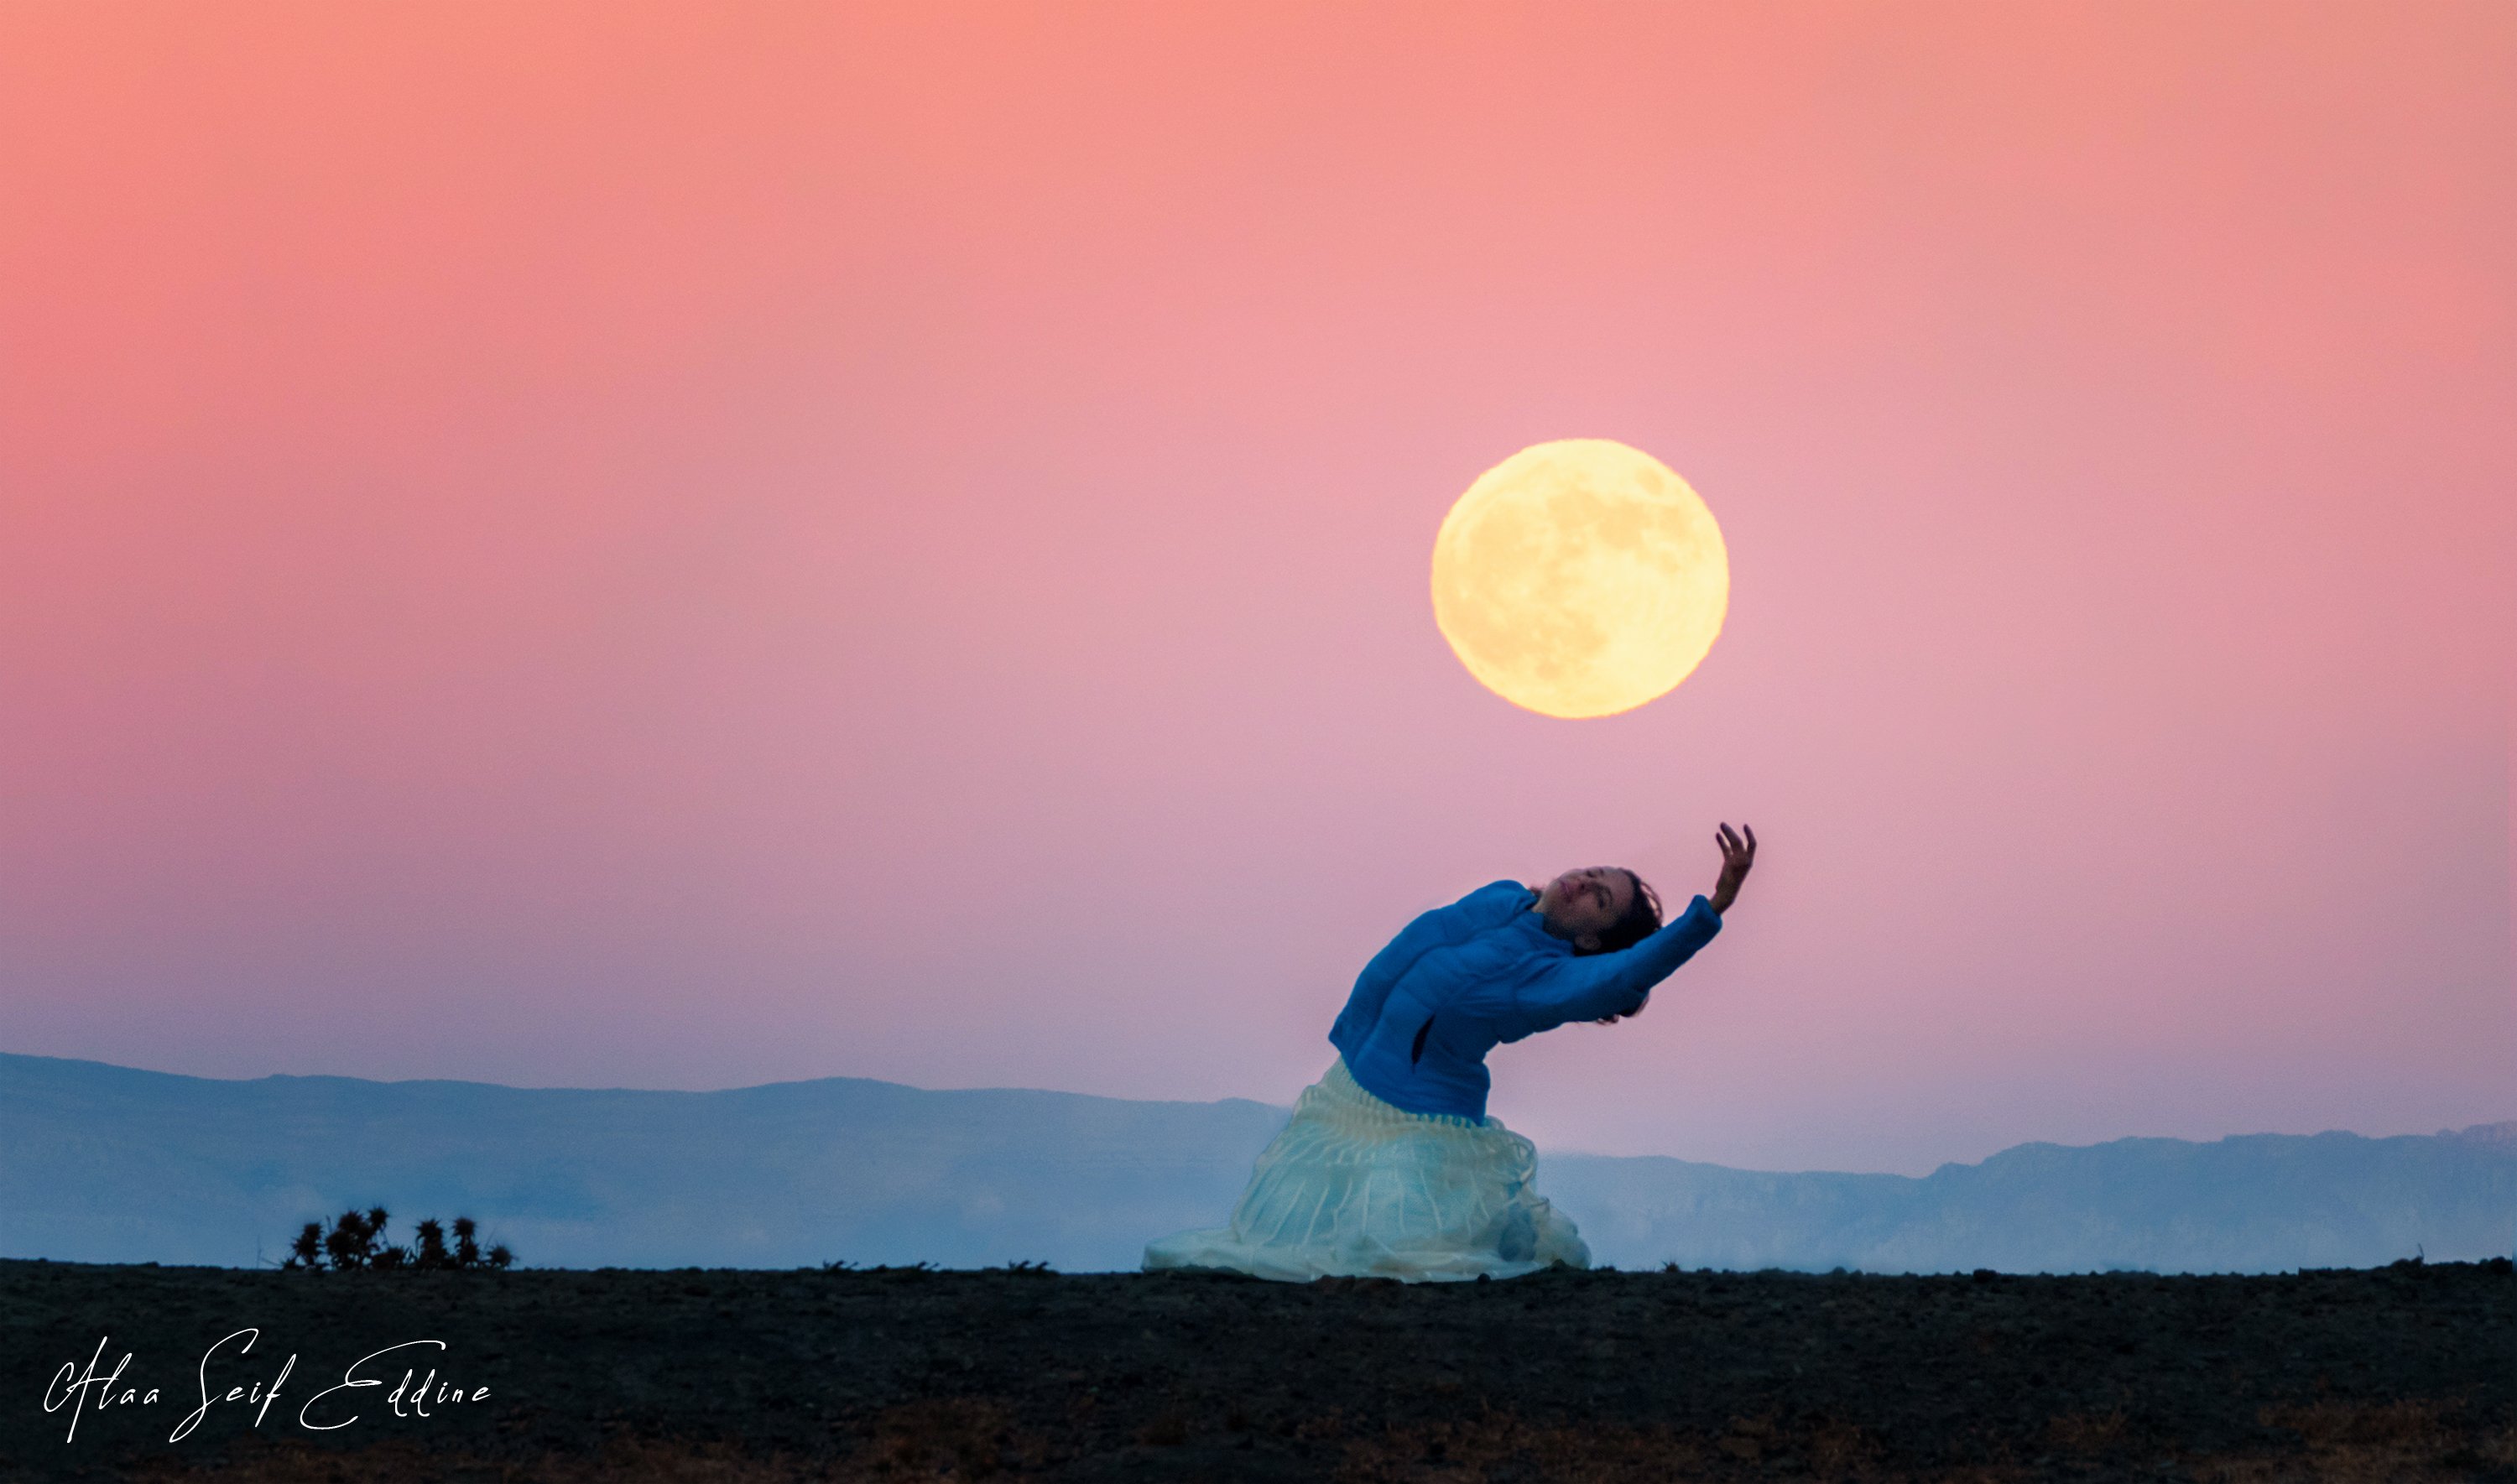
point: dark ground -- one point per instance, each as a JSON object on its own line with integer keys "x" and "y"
{"x": 2404, "y": 1374}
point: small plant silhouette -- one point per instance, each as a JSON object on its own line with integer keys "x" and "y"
{"x": 356, "y": 1241}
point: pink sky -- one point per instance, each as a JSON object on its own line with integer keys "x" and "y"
{"x": 691, "y": 546}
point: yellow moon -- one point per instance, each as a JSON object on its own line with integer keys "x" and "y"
{"x": 1580, "y": 577}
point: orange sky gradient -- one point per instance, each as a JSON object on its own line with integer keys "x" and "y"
{"x": 684, "y": 546}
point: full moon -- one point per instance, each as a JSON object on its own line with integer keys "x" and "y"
{"x": 1580, "y": 577}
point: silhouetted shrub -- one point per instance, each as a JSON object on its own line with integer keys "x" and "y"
{"x": 356, "y": 1241}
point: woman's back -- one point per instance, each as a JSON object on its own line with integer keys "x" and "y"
{"x": 1462, "y": 979}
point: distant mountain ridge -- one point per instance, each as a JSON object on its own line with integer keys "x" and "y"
{"x": 107, "y": 1164}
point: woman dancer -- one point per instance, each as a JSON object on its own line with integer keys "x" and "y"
{"x": 1391, "y": 1167}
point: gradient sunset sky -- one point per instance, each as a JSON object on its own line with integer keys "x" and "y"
{"x": 687, "y": 546}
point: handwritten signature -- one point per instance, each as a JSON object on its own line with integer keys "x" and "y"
{"x": 412, "y": 1396}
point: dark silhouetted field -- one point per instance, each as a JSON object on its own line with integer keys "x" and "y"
{"x": 2403, "y": 1374}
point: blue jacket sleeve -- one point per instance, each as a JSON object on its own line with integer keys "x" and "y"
{"x": 1489, "y": 904}
{"x": 1590, "y": 986}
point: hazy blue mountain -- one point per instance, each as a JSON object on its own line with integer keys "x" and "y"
{"x": 104, "y": 1163}
{"x": 2259, "y": 1203}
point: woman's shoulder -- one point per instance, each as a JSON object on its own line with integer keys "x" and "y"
{"x": 1500, "y": 896}
{"x": 1477, "y": 921}
{"x": 1501, "y": 935}
{"x": 1490, "y": 904}
{"x": 1494, "y": 905}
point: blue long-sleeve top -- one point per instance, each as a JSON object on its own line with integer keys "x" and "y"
{"x": 1461, "y": 980}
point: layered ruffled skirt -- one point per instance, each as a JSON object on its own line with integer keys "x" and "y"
{"x": 1356, "y": 1188}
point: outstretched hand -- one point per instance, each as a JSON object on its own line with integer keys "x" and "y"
{"x": 1738, "y": 855}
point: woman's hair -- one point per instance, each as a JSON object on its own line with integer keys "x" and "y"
{"x": 1640, "y": 922}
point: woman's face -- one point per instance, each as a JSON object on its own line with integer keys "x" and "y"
{"x": 1583, "y": 904}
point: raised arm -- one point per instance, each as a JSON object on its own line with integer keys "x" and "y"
{"x": 1738, "y": 854}
{"x": 1595, "y": 984}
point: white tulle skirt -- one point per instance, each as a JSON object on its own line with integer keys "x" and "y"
{"x": 1355, "y": 1188}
